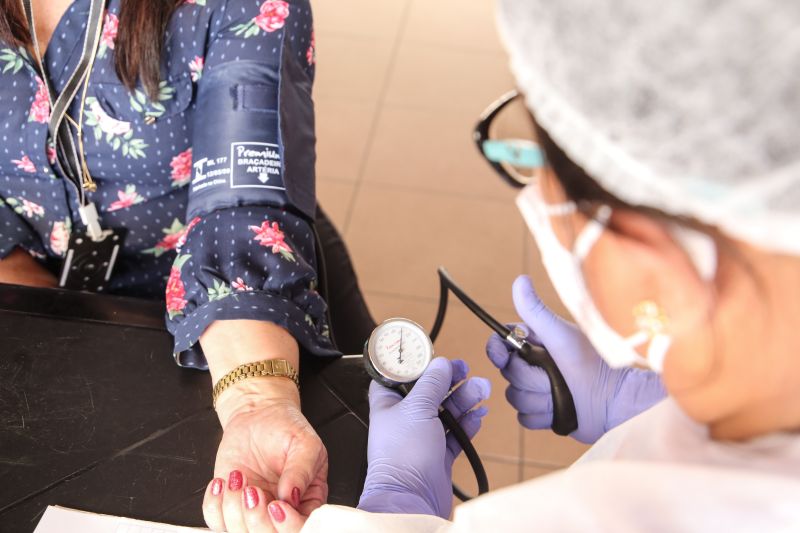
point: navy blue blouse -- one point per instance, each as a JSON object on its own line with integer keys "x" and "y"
{"x": 214, "y": 178}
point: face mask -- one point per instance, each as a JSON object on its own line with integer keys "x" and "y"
{"x": 564, "y": 269}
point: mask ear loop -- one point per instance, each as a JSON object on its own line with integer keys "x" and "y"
{"x": 591, "y": 233}
{"x": 650, "y": 319}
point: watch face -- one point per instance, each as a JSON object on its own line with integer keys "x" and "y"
{"x": 399, "y": 350}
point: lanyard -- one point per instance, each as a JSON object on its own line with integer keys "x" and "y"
{"x": 68, "y": 157}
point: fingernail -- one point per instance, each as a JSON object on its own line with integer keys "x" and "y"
{"x": 216, "y": 486}
{"x": 235, "y": 480}
{"x": 277, "y": 513}
{"x": 296, "y": 497}
{"x": 481, "y": 411}
{"x": 250, "y": 497}
{"x": 486, "y": 387}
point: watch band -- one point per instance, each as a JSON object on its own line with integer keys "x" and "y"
{"x": 279, "y": 368}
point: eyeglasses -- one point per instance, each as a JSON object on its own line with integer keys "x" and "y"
{"x": 504, "y": 136}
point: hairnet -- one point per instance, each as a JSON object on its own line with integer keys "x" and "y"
{"x": 687, "y": 106}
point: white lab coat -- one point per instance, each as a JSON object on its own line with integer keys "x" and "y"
{"x": 657, "y": 472}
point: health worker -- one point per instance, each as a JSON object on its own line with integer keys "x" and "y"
{"x": 664, "y": 200}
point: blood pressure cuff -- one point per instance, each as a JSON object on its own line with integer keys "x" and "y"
{"x": 257, "y": 140}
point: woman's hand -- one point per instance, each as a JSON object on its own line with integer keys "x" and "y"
{"x": 268, "y": 449}
{"x": 410, "y": 456}
{"x": 268, "y": 452}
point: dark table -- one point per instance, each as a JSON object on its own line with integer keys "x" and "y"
{"x": 95, "y": 415}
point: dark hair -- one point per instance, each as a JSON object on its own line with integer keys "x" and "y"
{"x": 137, "y": 54}
{"x": 577, "y": 184}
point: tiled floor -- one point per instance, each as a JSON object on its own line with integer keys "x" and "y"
{"x": 399, "y": 87}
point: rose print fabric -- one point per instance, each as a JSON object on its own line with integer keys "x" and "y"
{"x": 241, "y": 260}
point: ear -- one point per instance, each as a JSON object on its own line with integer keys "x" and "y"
{"x": 638, "y": 258}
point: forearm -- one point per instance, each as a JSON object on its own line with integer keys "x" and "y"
{"x": 22, "y": 269}
{"x": 230, "y": 343}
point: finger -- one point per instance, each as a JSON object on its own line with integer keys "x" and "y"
{"x": 316, "y": 494}
{"x": 256, "y": 516}
{"x": 525, "y": 376}
{"x": 460, "y": 371}
{"x": 381, "y": 397}
{"x": 468, "y": 395}
{"x": 285, "y": 518}
{"x": 434, "y": 384}
{"x": 212, "y": 505}
{"x": 498, "y": 351}
{"x": 546, "y": 324}
{"x": 232, "y": 509}
{"x": 305, "y": 458}
{"x": 527, "y": 402}
{"x": 470, "y": 423}
{"x": 536, "y": 421}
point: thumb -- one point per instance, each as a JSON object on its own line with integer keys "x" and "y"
{"x": 381, "y": 398}
{"x": 305, "y": 458}
{"x": 432, "y": 387}
{"x": 545, "y": 324}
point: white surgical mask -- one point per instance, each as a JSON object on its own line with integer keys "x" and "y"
{"x": 564, "y": 268}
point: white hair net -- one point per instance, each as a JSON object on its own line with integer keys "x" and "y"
{"x": 687, "y": 106}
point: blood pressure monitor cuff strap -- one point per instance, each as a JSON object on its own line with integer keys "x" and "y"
{"x": 254, "y": 140}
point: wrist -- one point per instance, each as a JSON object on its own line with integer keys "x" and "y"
{"x": 230, "y": 343}
{"x": 392, "y": 488}
{"x": 394, "y": 501}
{"x": 254, "y": 394}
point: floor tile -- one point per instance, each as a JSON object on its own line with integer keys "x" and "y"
{"x": 398, "y": 238}
{"x": 359, "y": 17}
{"x": 353, "y": 68}
{"x": 545, "y": 448}
{"x": 464, "y": 337}
{"x": 532, "y": 472}
{"x": 541, "y": 280}
{"x": 343, "y": 128}
{"x": 500, "y": 474}
{"x": 335, "y": 197}
{"x": 432, "y": 77}
{"x": 432, "y": 150}
{"x": 453, "y": 23}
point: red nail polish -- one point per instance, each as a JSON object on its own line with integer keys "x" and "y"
{"x": 250, "y": 497}
{"x": 216, "y": 486}
{"x": 235, "y": 480}
{"x": 277, "y": 513}
{"x": 296, "y": 497}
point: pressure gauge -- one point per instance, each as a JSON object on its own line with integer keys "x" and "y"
{"x": 398, "y": 352}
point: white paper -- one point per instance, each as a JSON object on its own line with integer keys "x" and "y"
{"x": 63, "y": 520}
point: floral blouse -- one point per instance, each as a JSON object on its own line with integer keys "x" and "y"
{"x": 213, "y": 178}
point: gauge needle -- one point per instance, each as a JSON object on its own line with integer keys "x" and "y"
{"x": 400, "y": 350}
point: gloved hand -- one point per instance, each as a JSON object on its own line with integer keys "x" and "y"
{"x": 410, "y": 457}
{"x": 604, "y": 397}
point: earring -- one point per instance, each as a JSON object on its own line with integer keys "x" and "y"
{"x": 650, "y": 318}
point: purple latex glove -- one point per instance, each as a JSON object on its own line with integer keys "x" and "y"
{"x": 604, "y": 397}
{"x": 410, "y": 456}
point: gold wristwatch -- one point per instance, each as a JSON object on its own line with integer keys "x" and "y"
{"x": 279, "y": 368}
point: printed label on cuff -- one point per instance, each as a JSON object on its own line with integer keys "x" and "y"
{"x": 256, "y": 164}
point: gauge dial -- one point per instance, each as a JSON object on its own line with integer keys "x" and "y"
{"x": 399, "y": 350}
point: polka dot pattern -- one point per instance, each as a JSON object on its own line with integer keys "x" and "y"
{"x": 138, "y": 150}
